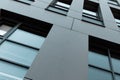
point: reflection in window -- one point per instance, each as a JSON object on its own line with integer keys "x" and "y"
{"x": 96, "y": 74}
{"x": 4, "y": 29}
{"x": 116, "y": 65}
{"x": 116, "y": 14}
{"x": 117, "y": 77}
{"x": 62, "y": 5}
{"x": 114, "y": 2}
{"x": 118, "y": 22}
{"x": 17, "y": 53}
{"x": 10, "y": 71}
{"x": 104, "y": 59}
{"x": 59, "y": 7}
{"x": 99, "y": 60}
{"x": 27, "y": 38}
{"x": 91, "y": 13}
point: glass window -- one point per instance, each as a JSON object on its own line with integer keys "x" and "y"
{"x": 59, "y": 7}
{"x": 86, "y": 18}
{"x": 27, "y": 38}
{"x": 4, "y": 29}
{"x": 17, "y": 53}
{"x": 117, "y": 77}
{"x": 118, "y": 22}
{"x": 90, "y": 12}
{"x": 96, "y": 74}
{"x": 57, "y": 10}
{"x": 116, "y": 65}
{"x": 11, "y": 72}
{"x": 62, "y": 4}
{"x": 99, "y": 60}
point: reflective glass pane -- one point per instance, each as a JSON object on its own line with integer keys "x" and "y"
{"x": 11, "y": 72}
{"x": 92, "y": 20}
{"x": 27, "y": 38}
{"x": 117, "y": 77}
{"x": 113, "y": 2}
{"x": 4, "y": 29}
{"x": 17, "y": 53}
{"x": 116, "y": 65}
{"x": 90, "y": 12}
{"x": 63, "y": 4}
{"x": 99, "y": 60}
{"x": 96, "y": 74}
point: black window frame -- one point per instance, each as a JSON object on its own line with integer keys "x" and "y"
{"x": 110, "y": 49}
{"x": 116, "y": 15}
{"x": 16, "y": 21}
{"x": 54, "y": 5}
{"x": 93, "y": 7}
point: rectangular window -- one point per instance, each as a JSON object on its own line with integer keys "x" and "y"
{"x": 92, "y": 14}
{"x": 60, "y": 6}
{"x": 116, "y": 14}
{"x": 104, "y": 59}
{"x": 21, "y": 41}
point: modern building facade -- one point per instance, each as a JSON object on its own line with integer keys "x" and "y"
{"x": 59, "y": 40}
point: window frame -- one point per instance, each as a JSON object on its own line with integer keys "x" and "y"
{"x": 113, "y": 2}
{"x": 95, "y": 44}
{"x": 10, "y": 19}
{"x": 54, "y": 5}
{"x": 89, "y": 15}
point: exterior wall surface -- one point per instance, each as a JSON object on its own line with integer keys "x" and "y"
{"x": 64, "y": 54}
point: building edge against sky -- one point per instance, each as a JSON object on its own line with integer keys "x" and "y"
{"x": 72, "y": 33}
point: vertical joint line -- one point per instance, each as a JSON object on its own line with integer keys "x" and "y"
{"x": 72, "y": 24}
{"x": 111, "y": 66}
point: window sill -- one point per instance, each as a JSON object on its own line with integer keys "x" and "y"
{"x": 93, "y": 23}
{"x": 64, "y": 14}
{"x": 24, "y": 2}
{"x": 113, "y": 4}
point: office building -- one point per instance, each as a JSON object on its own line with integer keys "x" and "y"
{"x": 59, "y": 40}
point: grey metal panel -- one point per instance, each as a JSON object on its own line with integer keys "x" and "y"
{"x": 97, "y": 31}
{"x": 47, "y": 1}
{"x": 40, "y": 4}
{"x": 63, "y": 56}
{"x": 75, "y": 14}
{"x": 77, "y": 5}
{"x": 76, "y": 9}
